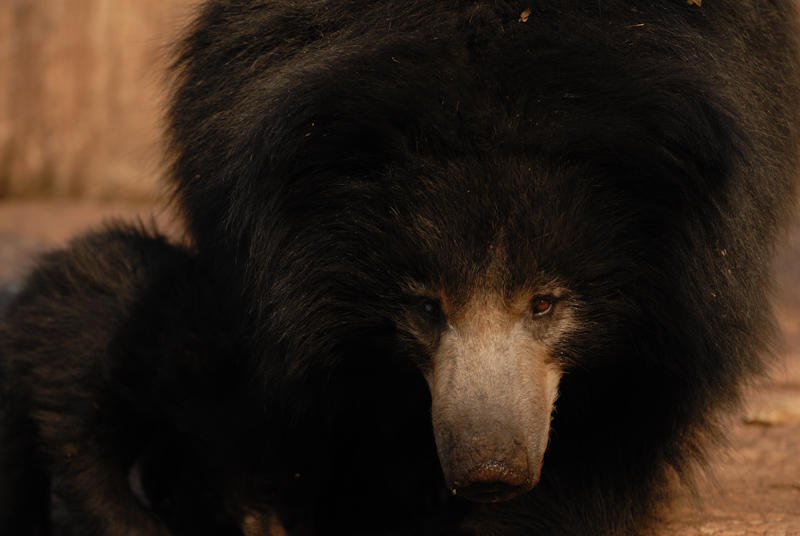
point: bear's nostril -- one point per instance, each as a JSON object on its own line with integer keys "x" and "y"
{"x": 493, "y": 482}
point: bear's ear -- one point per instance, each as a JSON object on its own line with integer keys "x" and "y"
{"x": 668, "y": 149}
{"x": 286, "y": 117}
{"x": 334, "y": 137}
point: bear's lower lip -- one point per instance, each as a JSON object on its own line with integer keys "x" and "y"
{"x": 490, "y": 492}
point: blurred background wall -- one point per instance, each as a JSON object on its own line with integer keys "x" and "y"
{"x": 81, "y": 96}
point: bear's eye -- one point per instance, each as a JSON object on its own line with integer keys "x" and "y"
{"x": 433, "y": 311}
{"x": 543, "y": 305}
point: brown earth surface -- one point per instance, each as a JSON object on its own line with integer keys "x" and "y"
{"x": 755, "y": 489}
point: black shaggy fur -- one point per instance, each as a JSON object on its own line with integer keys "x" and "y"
{"x": 332, "y": 158}
{"x": 99, "y": 352}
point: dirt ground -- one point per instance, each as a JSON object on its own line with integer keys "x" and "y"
{"x": 755, "y": 489}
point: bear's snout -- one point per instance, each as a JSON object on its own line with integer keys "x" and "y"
{"x": 488, "y": 467}
{"x": 493, "y": 390}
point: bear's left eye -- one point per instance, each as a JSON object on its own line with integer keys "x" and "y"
{"x": 543, "y": 305}
{"x": 433, "y": 311}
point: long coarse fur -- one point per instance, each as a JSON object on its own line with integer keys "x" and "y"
{"x": 331, "y": 155}
{"x": 332, "y": 158}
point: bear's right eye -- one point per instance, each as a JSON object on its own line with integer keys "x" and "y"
{"x": 433, "y": 311}
{"x": 543, "y": 305}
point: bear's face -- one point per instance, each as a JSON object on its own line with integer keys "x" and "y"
{"x": 492, "y": 315}
{"x": 491, "y": 287}
{"x": 493, "y": 370}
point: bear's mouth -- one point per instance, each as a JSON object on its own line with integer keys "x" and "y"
{"x": 491, "y": 492}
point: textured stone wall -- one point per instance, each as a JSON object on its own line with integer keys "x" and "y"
{"x": 81, "y": 95}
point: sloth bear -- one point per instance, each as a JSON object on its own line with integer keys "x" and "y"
{"x": 464, "y": 267}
